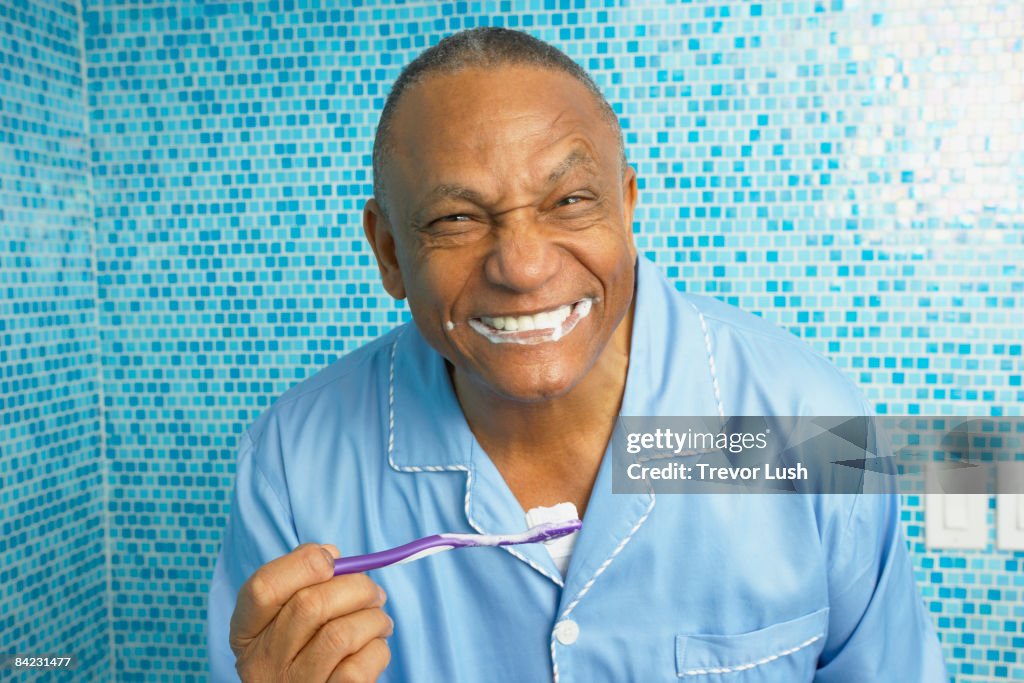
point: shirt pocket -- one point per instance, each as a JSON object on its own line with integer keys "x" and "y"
{"x": 787, "y": 651}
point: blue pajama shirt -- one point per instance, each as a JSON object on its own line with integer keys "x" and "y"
{"x": 374, "y": 451}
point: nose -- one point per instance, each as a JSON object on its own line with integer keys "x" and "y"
{"x": 522, "y": 258}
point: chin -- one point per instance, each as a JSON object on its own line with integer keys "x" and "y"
{"x": 528, "y": 387}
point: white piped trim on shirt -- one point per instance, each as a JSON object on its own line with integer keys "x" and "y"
{"x": 711, "y": 360}
{"x": 749, "y": 665}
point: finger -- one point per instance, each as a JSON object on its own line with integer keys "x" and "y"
{"x": 366, "y": 665}
{"x": 314, "y": 606}
{"x": 340, "y": 638}
{"x": 273, "y": 585}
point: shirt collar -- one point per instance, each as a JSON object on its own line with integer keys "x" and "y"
{"x": 671, "y": 362}
{"x": 426, "y": 428}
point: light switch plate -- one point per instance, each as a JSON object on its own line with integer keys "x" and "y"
{"x": 1010, "y": 506}
{"x": 954, "y": 520}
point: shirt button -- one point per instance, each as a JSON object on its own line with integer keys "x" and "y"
{"x": 567, "y": 631}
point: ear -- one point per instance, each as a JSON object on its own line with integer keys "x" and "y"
{"x": 379, "y": 234}
{"x": 629, "y": 193}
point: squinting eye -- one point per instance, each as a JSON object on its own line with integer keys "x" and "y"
{"x": 454, "y": 218}
{"x": 569, "y": 201}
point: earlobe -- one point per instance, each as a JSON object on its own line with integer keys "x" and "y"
{"x": 379, "y": 234}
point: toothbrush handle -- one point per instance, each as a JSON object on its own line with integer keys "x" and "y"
{"x": 362, "y": 563}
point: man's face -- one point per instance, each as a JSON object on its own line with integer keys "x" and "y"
{"x": 507, "y": 209}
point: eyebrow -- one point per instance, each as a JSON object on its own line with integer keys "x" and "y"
{"x": 576, "y": 158}
{"x": 448, "y": 191}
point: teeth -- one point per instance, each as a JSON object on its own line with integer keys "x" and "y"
{"x": 524, "y": 323}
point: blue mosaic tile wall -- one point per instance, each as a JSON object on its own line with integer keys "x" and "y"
{"x": 850, "y": 170}
{"x": 53, "y": 573}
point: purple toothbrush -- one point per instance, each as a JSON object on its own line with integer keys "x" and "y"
{"x": 438, "y": 543}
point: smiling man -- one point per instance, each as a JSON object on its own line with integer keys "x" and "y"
{"x": 503, "y": 213}
{"x": 506, "y": 222}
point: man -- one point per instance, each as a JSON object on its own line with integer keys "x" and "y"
{"x": 503, "y": 210}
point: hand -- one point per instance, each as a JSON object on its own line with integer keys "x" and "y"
{"x": 296, "y": 621}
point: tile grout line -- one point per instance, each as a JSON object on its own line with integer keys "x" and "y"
{"x": 104, "y": 464}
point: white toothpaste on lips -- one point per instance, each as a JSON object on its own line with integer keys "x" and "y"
{"x": 547, "y": 326}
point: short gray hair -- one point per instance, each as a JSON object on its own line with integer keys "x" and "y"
{"x": 485, "y": 46}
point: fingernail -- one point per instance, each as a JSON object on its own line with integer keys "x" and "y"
{"x": 381, "y": 595}
{"x": 327, "y": 554}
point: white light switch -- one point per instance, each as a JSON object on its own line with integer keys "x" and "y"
{"x": 954, "y": 512}
{"x": 955, "y": 520}
{"x": 1010, "y": 506}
